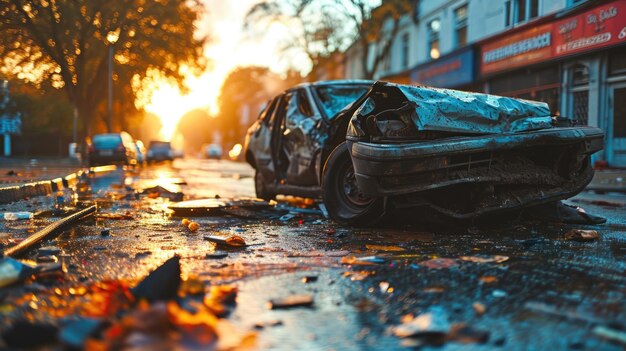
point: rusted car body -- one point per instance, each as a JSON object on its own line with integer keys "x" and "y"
{"x": 460, "y": 154}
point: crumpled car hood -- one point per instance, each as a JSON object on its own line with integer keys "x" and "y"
{"x": 435, "y": 109}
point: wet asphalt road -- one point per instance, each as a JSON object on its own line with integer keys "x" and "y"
{"x": 549, "y": 293}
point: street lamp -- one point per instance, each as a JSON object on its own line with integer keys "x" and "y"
{"x": 112, "y": 38}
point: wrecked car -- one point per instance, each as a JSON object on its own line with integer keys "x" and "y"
{"x": 460, "y": 154}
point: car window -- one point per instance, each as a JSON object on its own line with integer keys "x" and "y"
{"x": 334, "y": 98}
{"x": 279, "y": 105}
{"x": 106, "y": 141}
{"x": 267, "y": 111}
{"x": 303, "y": 103}
{"x": 160, "y": 145}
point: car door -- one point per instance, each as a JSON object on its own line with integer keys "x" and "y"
{"x": 299, "y": 138}
{"x": 260, "y": 142}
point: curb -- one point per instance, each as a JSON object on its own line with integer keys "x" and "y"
{"x": 47, "y": 187}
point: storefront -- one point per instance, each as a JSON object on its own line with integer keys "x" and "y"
{"x": 455, "y": 70}
{"x": 576, "y": 62}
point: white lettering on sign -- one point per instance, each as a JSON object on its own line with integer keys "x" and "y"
{"x": 10, "y": 125}
{"x": 520, "y": 47}
{"x": 583, "y": 42}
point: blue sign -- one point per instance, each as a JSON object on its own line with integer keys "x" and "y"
{"x": 447, "y": 72}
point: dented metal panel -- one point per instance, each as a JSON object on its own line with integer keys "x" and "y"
{"x": 434, "y": 109}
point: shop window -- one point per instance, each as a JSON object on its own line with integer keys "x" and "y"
{"x": 580, "y": 113}
{"x": 520, "y": 11}
{"x": 434, "y": 27}
{"x": 460, "y": 16}
{"x": 404, "y": 53}
{"x": 537, "y": 84}
{"x": 617, "y": 62}
{"x": 580, "y": 75}
{"x": 619, "y": 113}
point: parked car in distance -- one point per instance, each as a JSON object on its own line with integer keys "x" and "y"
{"x": 142, "y": 153}
{"x": 112, "y": 148}
{"x": 367, "y": 149}
{"x": 213, "y": 151}
{"x": 160, "y": 151}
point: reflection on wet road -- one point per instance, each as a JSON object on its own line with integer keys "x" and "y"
{"x": 521, "y": 283}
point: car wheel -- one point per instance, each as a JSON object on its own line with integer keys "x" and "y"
{"x": 345, "y": 202}
{"x": 260, "y": 185}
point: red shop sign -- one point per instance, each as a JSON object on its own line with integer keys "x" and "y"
{"x": 520, "y": 49}
{"x": 599, "y": 27}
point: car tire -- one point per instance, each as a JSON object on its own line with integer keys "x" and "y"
{"x": 260, "y": 185}
{"x": 345, "y": 203}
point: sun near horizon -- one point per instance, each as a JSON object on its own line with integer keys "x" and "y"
{"x": 230, "y": 47}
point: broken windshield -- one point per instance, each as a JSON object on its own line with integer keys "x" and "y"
{"x": 334, "y": 98}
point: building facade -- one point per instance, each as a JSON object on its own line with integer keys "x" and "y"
{"x": 568, "y": 53}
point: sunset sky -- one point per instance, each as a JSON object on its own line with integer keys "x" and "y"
{"x": 230, "y": 47}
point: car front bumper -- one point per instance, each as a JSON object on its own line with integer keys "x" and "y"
{"x": 467, "y": 176}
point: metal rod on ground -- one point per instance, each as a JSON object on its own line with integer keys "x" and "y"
{"x": 29, "y": 242}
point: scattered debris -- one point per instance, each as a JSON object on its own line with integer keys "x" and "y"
{"x": 611, "y": 334}
{"x": 13, "y": 271}
{"x": 105, "y": 232}
{"x": 291, "y": 301}
{"x": 118, "y": 216}
{"x": 49, "y": 250}
{"x": 160, "y": 191}
{"x": 309, "y": 279}
{"x": 76, "y": 333}
{"x": 219, "y": 207}
{"x": 270, "y": 323}
{"x": 465, "y": 334}
{"x": 362, "y": 261}
{"x": 216, "y": 255}
{"x": 51, "y": 229}
{"x": 384, "y": 248}
{"x": 233, "y": 241}
{"x": 582, "y": 235}
{"x": 14, "y": 216}
{"x": 185, "y": 222}
{"x": 162, "y": 284}
{"x": 488, "y": 279}
{"x": 498, "y": 293}
{"x": 432, "y": 325}
{"x": 439, "y": 263}
{"x": 479, "y": 308}
{"x": 485, "y": 259}
{"x": 193, "y": 227}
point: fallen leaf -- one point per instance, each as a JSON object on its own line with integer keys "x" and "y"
{"x": 384, "y": 248}
{"x": 193, "y": 227}
{"x": 582, "y": 235}
{"x": 485, "y": 259}
{"x": 479, "y": 308}
{"x": 236, "y": 241}
{"x": 488, "y": 279}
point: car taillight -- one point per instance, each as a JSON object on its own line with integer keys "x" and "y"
{"x": 91, "y": 148}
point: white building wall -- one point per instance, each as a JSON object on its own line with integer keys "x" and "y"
{"x": 485, "y": 19}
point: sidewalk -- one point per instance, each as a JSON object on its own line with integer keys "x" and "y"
{"x": 21, "y": 177}
{"x": 609, "y": 180}
{"x": 17, "y": 171}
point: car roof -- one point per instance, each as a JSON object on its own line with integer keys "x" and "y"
{"x": 333, "y": 82}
